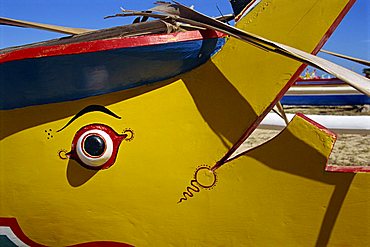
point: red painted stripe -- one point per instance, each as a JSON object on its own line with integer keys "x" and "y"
{"x": 237, "y": 18}
{"x": 13, "y": 224}
{"x": 292, "y": 80}
{"x": 108, "y": 44}
{"x": 324, "y": 129}
{"x": 333, "y": 26}
{"x": 318, "y": 79}
{"x": 296, "y": 75}
{"x": 348, "y": 169}
{"x": 315, "y": 51}
{"x": 102, "y": 244}
{"x": 323, "y": 40}
{"x": 317, "y": 125}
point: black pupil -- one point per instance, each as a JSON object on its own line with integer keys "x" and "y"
{"x": 94, "y": 145}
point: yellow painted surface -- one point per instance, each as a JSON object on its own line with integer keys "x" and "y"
{"x": 288, "y": 199}
{"x": 277, "y": 194}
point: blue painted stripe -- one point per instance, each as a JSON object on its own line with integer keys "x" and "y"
{"x": 69, "y": 77}
{"x": 329, "y": 100}
{"x": 6, "y": 242}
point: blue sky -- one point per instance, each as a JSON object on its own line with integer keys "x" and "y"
{"x": 352, "y": 37}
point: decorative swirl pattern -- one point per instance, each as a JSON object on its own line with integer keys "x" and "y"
{"x": 130, "y": 134}
{"x": 63, "y": 154}
{"x": 189, "y": 191}
{"x": 204, "y": 177}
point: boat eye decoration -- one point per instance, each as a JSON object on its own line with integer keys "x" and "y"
{"x": 95, "y": 146}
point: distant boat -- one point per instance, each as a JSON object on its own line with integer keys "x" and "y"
{"x": 338, "y": 124}
{"x": 322, "y": 91}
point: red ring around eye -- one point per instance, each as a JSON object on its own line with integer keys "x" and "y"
{"x": 105, "y": 156}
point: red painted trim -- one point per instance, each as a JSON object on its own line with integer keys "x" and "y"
{"x": 14, "y": 226}
{"x": 323, "y": 128}
{"x": 348, "y": 169}
{"x": 292, "y": 80}
{"x": 333, "y": 26}
{"x": 317, "y": 125}
{"x": 102, "y": 244}
{"x": 314, "y": 52}
{"x": 325, "y": 85}
{"x": 107, "y": 44}
{"x": 319, "y": 79}
{"x": 237, "y": 18}
{"x": 115, "y": 137}
{"x": 308, "y": 85}
{"x": 303, "y": 66}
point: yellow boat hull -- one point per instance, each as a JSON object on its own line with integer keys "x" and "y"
{"x": 275, "y": 194}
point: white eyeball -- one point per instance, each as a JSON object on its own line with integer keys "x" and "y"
{"x": 94, "y": 147}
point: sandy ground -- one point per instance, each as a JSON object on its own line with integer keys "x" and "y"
{"x": 349, "y": 149}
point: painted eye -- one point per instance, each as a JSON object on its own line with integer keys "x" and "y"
{"x": 95, "y": 146}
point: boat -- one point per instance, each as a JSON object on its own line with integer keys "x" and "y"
{"x": 359, "y": 125}
{"x": 149, "y": 163}
{"x": 96, "y": 63}
{"x": 323, "y": 92}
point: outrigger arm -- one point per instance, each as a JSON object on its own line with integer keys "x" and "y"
{"x": 47, "y": 27}
{"x": 353, "y": 59}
